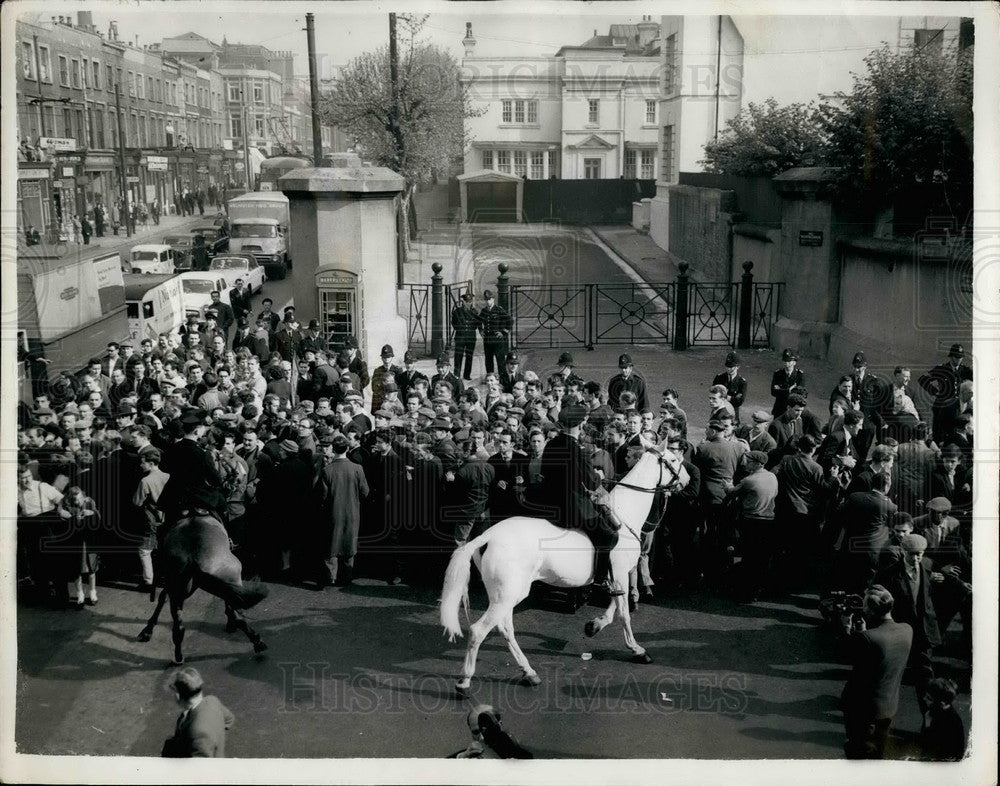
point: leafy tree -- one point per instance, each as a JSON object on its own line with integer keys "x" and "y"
{"x": 906, "y": 125}
{"x": 425, "y": 131}
{"x": 766, "y": 139}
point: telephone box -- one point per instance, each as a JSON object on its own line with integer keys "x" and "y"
{"x": 338, "y": 305}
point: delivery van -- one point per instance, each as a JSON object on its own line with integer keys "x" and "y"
{"x": 154, "y": 304}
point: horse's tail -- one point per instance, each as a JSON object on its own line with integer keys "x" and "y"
{"x": 243, "y": 596}
{"x": 456, "y": 585}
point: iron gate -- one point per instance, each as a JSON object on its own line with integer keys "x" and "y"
{"x": 550, "y": 315}
{"x": 419, "y": 323}
{"x": 632, "y": 313}
{"x": 712, "y": 310}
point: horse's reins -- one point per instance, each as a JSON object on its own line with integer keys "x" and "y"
{"x": 660, "y": 486}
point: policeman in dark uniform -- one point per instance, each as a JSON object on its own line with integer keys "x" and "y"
{"x": 465, "y": 321}
{"x": 194, "y": 483}
{"x": 564, "y": 495}
{"x": 494, "y": 324}
{"x": 734, "y": 383}
{"x": 784, "y": 382}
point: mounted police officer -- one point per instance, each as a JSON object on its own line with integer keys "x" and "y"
{"x": 564, "y": 496}
{"x": 195, "y": 484}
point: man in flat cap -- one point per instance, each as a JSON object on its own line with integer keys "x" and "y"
{"x": 563, "y": 497}
{"x": 495, "y": 325}
{"x": 465, "y": 321}
{"x": 203, "y": 722}
{"x": 755, "y": 432}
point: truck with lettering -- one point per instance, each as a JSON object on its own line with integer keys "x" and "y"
{"x": 155, "y": 304}
{"x": 259, "y": 225}
{"x": 68, "y": 310}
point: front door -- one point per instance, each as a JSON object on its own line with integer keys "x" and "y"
{"x": 592, "y": 169}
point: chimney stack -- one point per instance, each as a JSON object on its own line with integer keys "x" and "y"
{"x": 648, "y": 30}
{"x": 85, "y": 19}
{"x": 469, "y": 42}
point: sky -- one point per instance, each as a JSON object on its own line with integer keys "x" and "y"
{"x": 795, "y": 57}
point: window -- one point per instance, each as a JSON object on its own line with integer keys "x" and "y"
{"x": 508, "y": 111}
{"x": 258, "y": 126}
{"x": 234, "y": 92}
{"x": 593, "y": 110}
{"x": 553, "y": 163}
{"x": 928, "y": 41}
{"x": 131, "y": 83}
{"x": 140, "y": 86}
{"x": 520, "y": 163}
{"x": 630, "y": 164}
{"x": 150, "y": 94}
{"x": 143, "y": 129}
{"x": 592, "y": 168}
{"x": 519, "y": 111}
{"x": 109, "y": 75}
{"x": 27, "y": 60}
{"x": 63, "y": 71}
{"x": 80, "y": 127}
{"x": 74, "y": 66}
{"x": 95, "y": 69}
{"x": 258, "y": 93}
{"x": 667, "y": 167}
{"x": 532, "y": 111}
{"x": 537, "y": 164}
{"x": 669, "y": 63}
{"x": 68, "y": 122}
{"x": 503, "y": 161}
{"x": 44, "y": 64}
{"x": 650, "y": 111}
{"x": 487, "y": 159}
{"x": 235, "y": 125}
{"x": 647, "y": 167}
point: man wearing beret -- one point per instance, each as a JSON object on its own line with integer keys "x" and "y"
{"x": 465, "y": 321}
{"x": 494, "y": 324}
{"x": 203, "y": 722}
{"x": 563, "y": 496}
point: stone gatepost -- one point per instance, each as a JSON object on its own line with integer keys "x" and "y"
{"x": 343, "y": 248}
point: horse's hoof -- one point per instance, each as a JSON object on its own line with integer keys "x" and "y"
{"x": 590, "y": 629}
{"x": 462, "y": 691}
{"x": 177, "y": 661}
{"x": 532, "y": 680}
{"x": 259, "y": 647}
{"x": 643, "y": 659}
{"x": 144, "y": 636}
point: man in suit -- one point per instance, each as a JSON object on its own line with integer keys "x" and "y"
{"x": 942, "y": 383}
{"x": 465, "y": 321}
{"x": 756, "y": 436}
{"x": 849, "y": 440}
{"x": 494, "y": 324}
{"x": 223, "y": 313}
{"x": 736, "y": 385}
{"x": 910, "y": 583}
{"x": 785, "y": 381}
{"x": 878, "y": 647}
{"x": 564, "y": 496}
{"x": 239, "y": 299}
{"x": 113, "y": 359}
{"x": 203, "y": 722}
{"x": 788, "y": 427}
{"x": 408, "y": 375}
{"x": 510, "y": 473}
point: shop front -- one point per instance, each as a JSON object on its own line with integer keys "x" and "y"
{"x": 34, "y": 199}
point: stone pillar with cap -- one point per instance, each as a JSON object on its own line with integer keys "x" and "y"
{"x": 343, "y": 234}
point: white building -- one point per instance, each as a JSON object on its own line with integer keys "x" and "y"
{"x": 589, "y": 111}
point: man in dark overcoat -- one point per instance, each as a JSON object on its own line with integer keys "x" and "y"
{"x": 342, "y": 486}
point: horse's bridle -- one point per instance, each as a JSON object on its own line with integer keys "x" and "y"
{"x": 660, "y": 485}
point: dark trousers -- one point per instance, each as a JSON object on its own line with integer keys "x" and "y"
{"x": 495, "y": 350}
{"x": 757, "y": 537}
{"x": 464, "y": 348}
{"x": 866, "y": 737}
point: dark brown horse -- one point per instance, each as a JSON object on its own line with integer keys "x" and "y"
{"x": 196, "y": 554}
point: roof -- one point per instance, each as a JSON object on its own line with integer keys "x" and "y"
{"x": 624, "y": 31}
{"x": 254, "y": 220}
{"x": 260, "y": 196}
{"x": 138, "y": 284}
{"x": 150, "y": 247}
{"x": 488, "y": 174}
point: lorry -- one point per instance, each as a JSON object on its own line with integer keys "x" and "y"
{"x": 259, "y": 225}
{"x": 68, "y": 310}
{"x": 154, "y": 304}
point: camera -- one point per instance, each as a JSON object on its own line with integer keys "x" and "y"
{"x": 840, "y": 604}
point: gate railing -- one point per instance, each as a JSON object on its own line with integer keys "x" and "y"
{"x": 680, "y": 314}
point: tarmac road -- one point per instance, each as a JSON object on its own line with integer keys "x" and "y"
{"x": 366, "y": 672}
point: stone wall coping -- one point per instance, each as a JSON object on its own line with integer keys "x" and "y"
{"x": 363, "y": 179}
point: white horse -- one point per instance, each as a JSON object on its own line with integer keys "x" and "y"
{"x": 522, "y": 550}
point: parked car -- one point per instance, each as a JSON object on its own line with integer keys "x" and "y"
{"x": 153, "y": 304}
{"x": 234, "y": 266}
{"x": 151, "y": 258}
{"x": 181, "y": 246}
{"x": 197, "y": 288}
{"x": 215, "y": 240}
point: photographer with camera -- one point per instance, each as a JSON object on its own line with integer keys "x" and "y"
{"x": 878, "y": 647}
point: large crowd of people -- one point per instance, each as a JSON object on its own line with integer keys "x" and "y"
{"x": 269, "y": 430}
